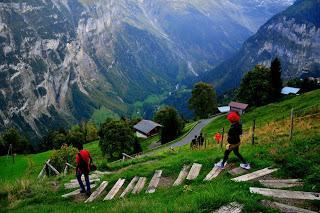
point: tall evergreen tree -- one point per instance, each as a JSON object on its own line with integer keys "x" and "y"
{"x": 276, "y": 81}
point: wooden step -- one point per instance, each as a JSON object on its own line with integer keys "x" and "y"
{"x": 278, "y": 184}
{"x": 76, "y": 192}
{"x": 237, "y": 171}
{"x": 96, "y": 193}
{"x": 213, "y": 173}
{"x": 130, "y": 186}
{"x": 91, "y": 177}
{"x": 115, "y": 189}
{"x": 233, "y": 207}
{"x": 284, "y": 208}
{"x": 102, "y": 173}
{"x": 74, "y": 185}
{"x": 279, "y": 193}
{"x": 139, "y": 186}
{"x": 254, "y": 175}
{"x": 182, "y": 175}
{"x": 154, "y": 182}
{"x": 194, "y": 171}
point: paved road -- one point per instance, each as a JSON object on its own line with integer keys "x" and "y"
{"x": 195, "y": 131}
{"x": 188, "y": 138}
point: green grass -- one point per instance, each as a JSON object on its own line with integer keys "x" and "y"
{"x": 100, "y": 115}
{"x": 188, "y": 127}
{"x": 272, "y": 148}
{"x": 29, "y": 166}
{"x": 145, "y": 143}
{"x": 150, "y": 100}
{"x": 269, "y": 113}
{"x": 24, "y": 166}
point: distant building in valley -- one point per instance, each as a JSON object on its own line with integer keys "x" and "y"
{"x": 147, "y": 128}
{"x": 238, "y": 107}
{"x": 224, "y": 109}
{"x": 290, "y": 90}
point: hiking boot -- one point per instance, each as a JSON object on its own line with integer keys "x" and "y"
{"x": 220, "y": 164}
{"x": 82, "y": 191}
{"x": 245, "y": 166}
{"x": 88, "y": 193}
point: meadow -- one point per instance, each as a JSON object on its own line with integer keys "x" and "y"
{"x": 296, "y": 158}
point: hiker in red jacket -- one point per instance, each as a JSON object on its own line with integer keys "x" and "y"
{"x": 83, "y": 160}
{"x": 233, "y": 141}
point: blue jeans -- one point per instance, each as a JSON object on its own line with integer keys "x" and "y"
{"x": 86, "y": 177}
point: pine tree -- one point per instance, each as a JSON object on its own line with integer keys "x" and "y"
{"x": 276, "y": 81}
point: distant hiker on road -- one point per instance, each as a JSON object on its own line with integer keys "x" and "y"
{"x": 233, "y": 141}
{"x": 193, "y": 144}
{"x": 201, "y": 139}
{"x": 84, "y": 161}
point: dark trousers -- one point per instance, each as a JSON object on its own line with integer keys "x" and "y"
{"x": 86, "y": 177}
{"x": 236, "y": 152}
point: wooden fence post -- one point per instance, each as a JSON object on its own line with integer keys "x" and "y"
{"x": 291, "y": 125}
{"x": 65, "y": 171}
{"x": 205, "y": 141}
{"x": 48, "y": 171}
{"x": 10, "y": 152}
{"x": 253, "y": 129}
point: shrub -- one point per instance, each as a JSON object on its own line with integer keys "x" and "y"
{"x": 3, "y": 150}
{"x": 75, "y": 138}
{"x": 88, "y": 130}
{"x": 58, "y": 140}
{"x": 137, "y": 146}
{"x": 61, "y": 156}
{"x": 3, "y": 198}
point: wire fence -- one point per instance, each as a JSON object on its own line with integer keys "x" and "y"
{"x": 260, "y": 131}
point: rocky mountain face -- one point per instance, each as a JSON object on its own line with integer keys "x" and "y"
{"x": 292, "y": 35}
{"x": 61, "y": 59}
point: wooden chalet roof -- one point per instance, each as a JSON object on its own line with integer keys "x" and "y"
{"x": 146, "y": 126}
{"x": 238, "y": 105}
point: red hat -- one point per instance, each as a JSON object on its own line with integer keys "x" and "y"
{"x": 233, "y": 117}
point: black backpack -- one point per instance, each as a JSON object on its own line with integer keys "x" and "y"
{"x": 83, "y": 166}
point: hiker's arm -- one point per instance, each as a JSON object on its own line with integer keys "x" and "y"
{"x": 91, "y": 161}
{"x": 77, "y": 162}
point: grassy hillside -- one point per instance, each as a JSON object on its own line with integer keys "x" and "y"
{"x": 298, "y": 158}
{"x": 29, "y": 166}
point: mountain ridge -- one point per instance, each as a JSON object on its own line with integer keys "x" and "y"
{"x": 291, "y": 36}
{"x": 62, "y": 59}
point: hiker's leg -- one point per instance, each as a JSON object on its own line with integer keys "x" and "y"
{"x": 236, "y": 152}
{"x": 226, "y": 156}
{"x": 86, "y": 177}
{"x": 79, "y": 174}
